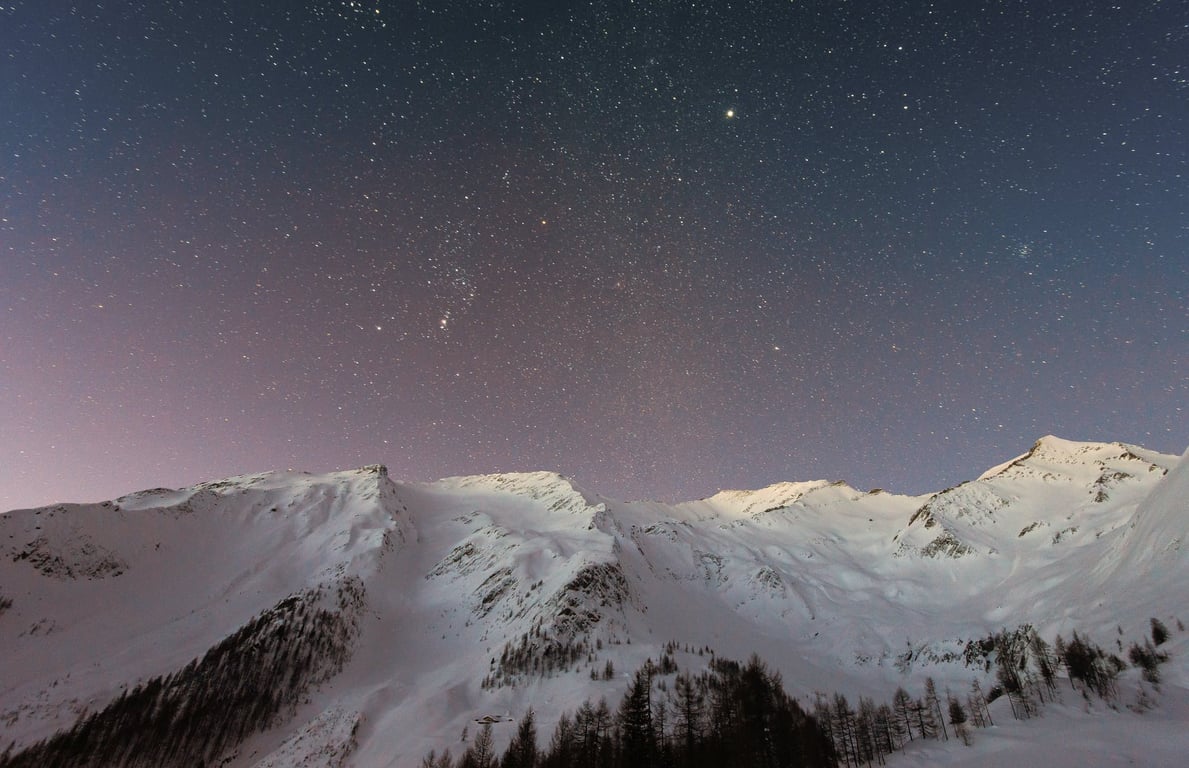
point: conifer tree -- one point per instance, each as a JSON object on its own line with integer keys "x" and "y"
{"x": 842, "y": 726}
{"x": 925, "y": 719}
{"x": 902, "y": 709}
{"x": 562, "y": 745}
{"x": 522, "y": 751}
{"x": 749, "y": 721}
{"x": 824, "y": 715}
{"x": 481, "y": 753}
{"x": 434, "y": 760}
{"x": 1148, "y": 659}
{"x": 660, "y": 729}
{"x": 1159, "y": 631}
{"x": 958, "y": 719}
{"x": 933, "y": 703}
{"x": 635, "y": 720}
{"x": 1007, "y": 672}
{"x": 602, "y": 721}
{"x": 1045, "y": 660}
{"x": 1090, "y": 665}
{"x": 866, "y": 732}
{"x": 689, "y": 706}
{"x": 976, "y": 703}
{"x": 885, "y": 723}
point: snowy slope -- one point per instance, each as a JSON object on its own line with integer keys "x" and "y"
{"x": 104, "y": 595}
{"x": 480, "y": 596}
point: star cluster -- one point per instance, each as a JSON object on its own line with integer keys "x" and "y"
{"x": 662, "y": 247}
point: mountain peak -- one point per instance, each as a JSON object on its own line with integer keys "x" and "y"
{"x": 444, "y": 603}
{"x": 1050, "y": 451}
{"x": 746, "y": 502}
{"x": 554, "y": 490}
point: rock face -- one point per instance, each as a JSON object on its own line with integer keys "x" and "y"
{"x": 347, "y": 617}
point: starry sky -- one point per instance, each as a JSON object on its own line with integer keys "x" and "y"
{"x": 661, "y": 247}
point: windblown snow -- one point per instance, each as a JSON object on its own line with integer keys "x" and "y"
{"x": 477, "y": 597}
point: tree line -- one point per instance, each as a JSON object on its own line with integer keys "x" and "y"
{"x": 740, "y": 715}
{"x": 732, "y": 714}
{"x": 1026, "y": 671}
{"x": 246, "y": 683}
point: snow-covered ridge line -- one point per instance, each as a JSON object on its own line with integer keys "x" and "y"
{"x": 490, "y": 593}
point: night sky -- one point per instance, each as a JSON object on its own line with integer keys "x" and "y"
{"x": 661, "y": 247}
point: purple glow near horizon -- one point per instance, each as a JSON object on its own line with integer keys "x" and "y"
{"x": 660, "y": 248}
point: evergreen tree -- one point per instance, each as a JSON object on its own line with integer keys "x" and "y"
{"x": 1059, "y": 650}
{"x": 1045, "y": 660}
{"x": 842, "y": 727}
{"x": 635, "y": 721}
{"x": 768, "y": 719}
{"x": 976, "y": 703}
{"x": 925, "y": 719}
{"x": 865, "y": 732}
{"x": 1159, "y": 631}
{"x": 933, "y": 703}
{"x": 689, "y": 707}
{"x": 563, "y": 746}
{"x": 1089, "y": 664}
{"x": 522, "y": 751}
{"x": 481, "y": 753}
{"x": 1008, "y": 675}
{"x": 824, "y": 715}
{"x": 885, "y": 724}
{"x": 660, "y": 730}
{"x": 1148, "y": 659}
{"x": 730, "y": 716}
{"x": 434, "y": 760}
{"x": 592, "y": 726}
{"x": 603, "y": 722}
{"x": 242, "y": 685}
{"x": 586, "y": 733}
{"x": 902, "y": 709}
{"x": 958, "y": 719}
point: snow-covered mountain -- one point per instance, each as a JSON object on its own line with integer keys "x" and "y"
{"x": 365, "y": 621}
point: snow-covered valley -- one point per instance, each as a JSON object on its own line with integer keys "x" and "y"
{"x": 399, "y": 614}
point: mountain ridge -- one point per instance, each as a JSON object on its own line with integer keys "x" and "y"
{"x": 485, "y": 594}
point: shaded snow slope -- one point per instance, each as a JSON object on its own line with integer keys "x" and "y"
{"x": 1154, "y": 541}
{"x": 480, "y": 596}
{"x": 106, "y": 595}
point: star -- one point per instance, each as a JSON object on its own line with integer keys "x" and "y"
{"x": 562, "y": 215}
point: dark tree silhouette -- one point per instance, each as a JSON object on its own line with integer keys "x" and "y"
{"x": 1089, "y": 664}
{"x": 522, "y": 751}
{"x": 902, "y": 708}
{"x": 958, "y": 720}
{"x": 689, "y": 705}
{"x": 246, "y": 683}
{"x": 933, "y": 702}
{"x": 635, "y": 720}
{"x": 481, "y": 753}
{"x": 1159, "y": 632}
